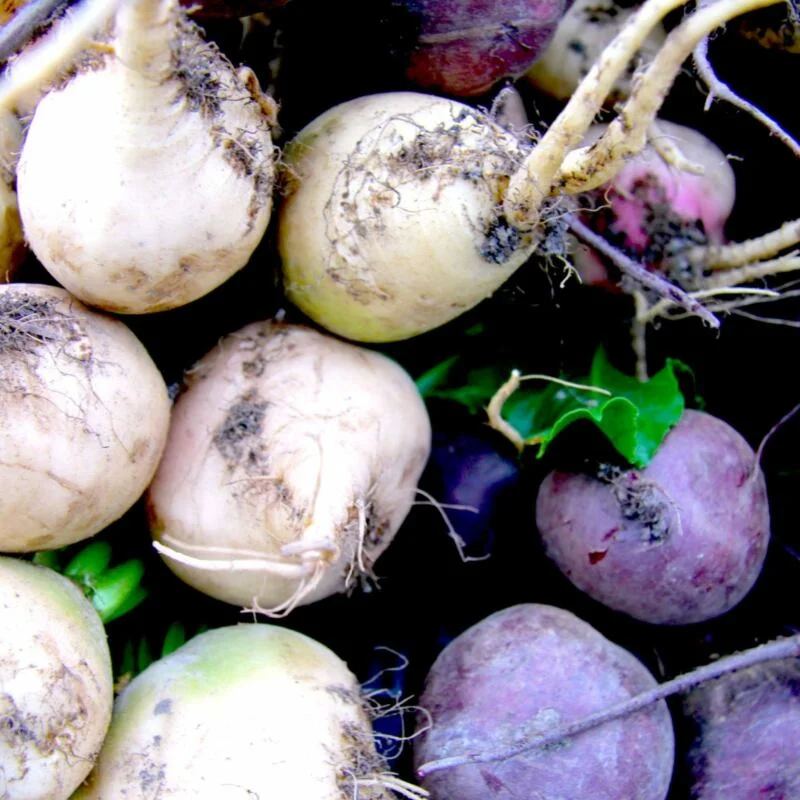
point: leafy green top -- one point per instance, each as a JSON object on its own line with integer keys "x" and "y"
{"x": 634, "y": 415}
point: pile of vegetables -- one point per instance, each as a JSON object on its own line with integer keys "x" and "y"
{"x": 398, "y": 402}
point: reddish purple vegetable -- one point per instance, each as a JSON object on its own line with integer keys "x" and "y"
{"x": 748, "y": 733}
{"x": 464, "y": 47}
{"x": 680, "y": 541}
{"x": 523, "y": 671}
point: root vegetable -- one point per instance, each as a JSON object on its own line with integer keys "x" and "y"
{"x": 520, "y": 672}
{"x": 292, "y": 460}
{"x": 406, "y": 210}
{"x": 146, "y": 175}
{"x": 653, "y": 209}
{"x": 242, "y": 711}
{"x": 748, "y": 726}
{"x": 464, "y": 47}
{"x": 585, "y": 29}
{"x": 56, "y": 685}
{"x": 84, "y": 421}
{"x": 681, "y": 541}
{"x": 12, "y": 242}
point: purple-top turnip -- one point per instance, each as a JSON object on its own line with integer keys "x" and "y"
{"x": 681, "y": 541}
{"x": 521, "y": 672}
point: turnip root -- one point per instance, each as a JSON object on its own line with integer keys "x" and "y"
{"x": 145, "y": 178}
{"x": 520, "y": 672}
{"x": 681, "y": 541}
{"x": 242, "y": 711}
{"x": 406, "y": 210}
{"x": 464, "y": 47}
{"x": 12, "y": 243}
{"x": 585, "y": 29}
{"x": 84, "y": 422}
{"x": 292, "y": 460}
{"x": 748, "y": 727}
{"x": 56, "y": 685}
{"x": 356, "y": 254}
{"x": 652, "y": 208}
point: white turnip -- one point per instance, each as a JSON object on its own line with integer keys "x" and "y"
{"x": 405, "y": 210}
{"x": 292, "y": 460}
{"x": 146, "y": 175}
{"x": 243, "y": 711}
{"x": 56, "y": 686}
{"x": 83, "y": 423}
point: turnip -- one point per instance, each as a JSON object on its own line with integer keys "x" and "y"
{"x": 747, "y": 730}
{"x": 681, "y": 541}
{"x": 405, "y": 210}
{"x": 520, "y": 672}
{"x": 243, "y": 711}
{"x": 84, "y": 421}
{"x": 292, "y": 460}
{"x": 146, "y": 174}
{"x": 653, "y": 209}
{"x": 464, "y": 47}
{"x": 12, "y": 244}
{"x": 585, "y": 29}
{"x": 56, "y": 686}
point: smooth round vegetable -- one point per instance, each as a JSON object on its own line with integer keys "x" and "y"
{"x": 292, "y": 460}
{"x": 84, "y": 419}
{"x": 525, "y": 670}
{"x": 393, "y": 224}
{"x": 242, "y": 711}
{"x": 652, "y": 208}
{"x": 464, "y": 47}
{"x": 680, "y": 541}
{"x": 748, "y": 726}
{"x": 56, "y": 686}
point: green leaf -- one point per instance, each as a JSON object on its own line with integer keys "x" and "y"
{"x": 429, "y": 381}
{"x": 114, "y": 589}
{"x": 174, "y": 638}
{"x": 87, "y": 565}
{"x": 635, "y": 416}
{"x": 48, "y": 558}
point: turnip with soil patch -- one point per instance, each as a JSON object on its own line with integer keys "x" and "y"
{"x": 56, "y": 686}
{"x": 84, "y": 420}
{"x": 292, "y": 460}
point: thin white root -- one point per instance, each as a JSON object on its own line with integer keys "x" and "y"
{"x": 307, "y": 585}
{"x": 589, "y": 167}
{"x": 387, "y": 780}
{"x": 263, "y": 564}
{"x": 41, "y": 63}
{"x": 661, "y": 308}
{"x": 737, "y": 254}
{"x": 752, "y": 272}
{"x": 720, "y": 90}
{"x": 458, "y": 540}
{"x": 533, "y": 182}
{"x": 669, "y": 152}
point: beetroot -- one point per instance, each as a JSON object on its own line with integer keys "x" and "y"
{"x": 522, "y": 671}
{"x": 680, "y": 541}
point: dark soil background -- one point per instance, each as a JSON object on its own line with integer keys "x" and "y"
{"x": 334, "y": 51}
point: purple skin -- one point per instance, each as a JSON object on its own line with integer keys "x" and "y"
{"x": 749, "y": 729}
{"x": 464, "y": 47}
{"x": 678, "y": 542}
{"x": 526, "y": 669}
